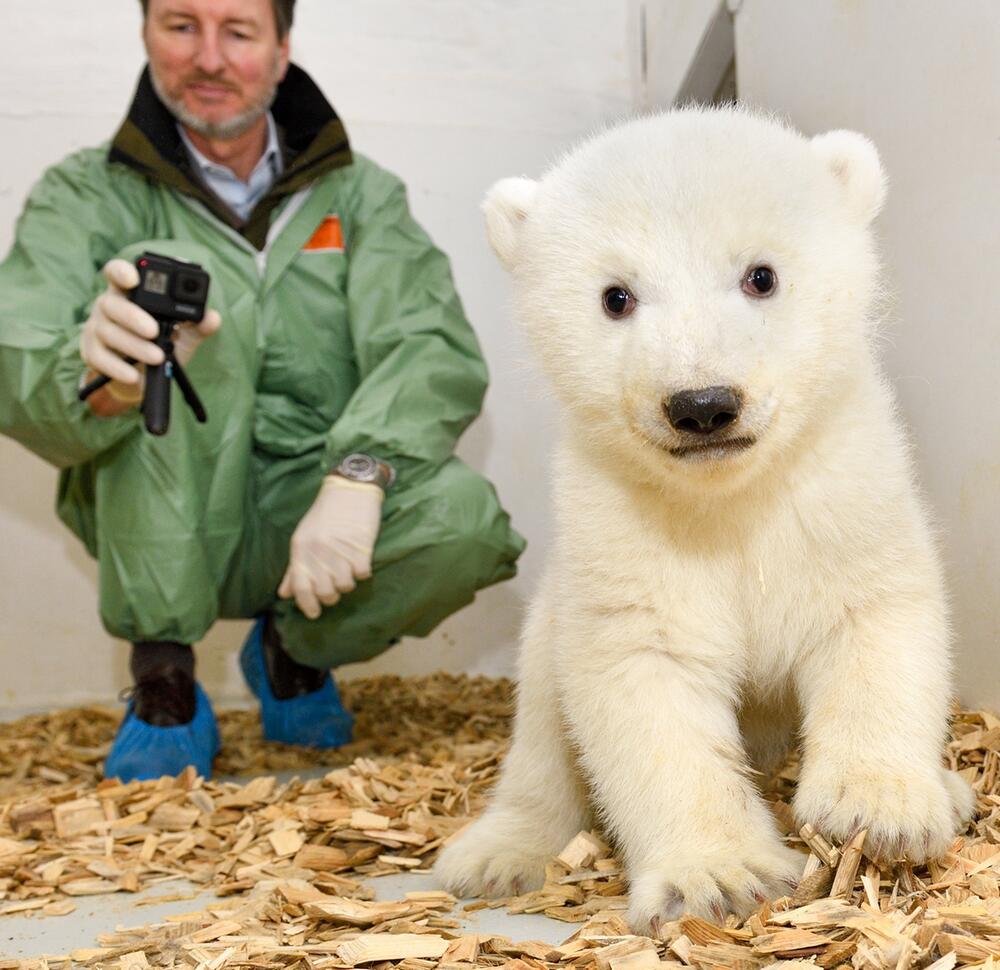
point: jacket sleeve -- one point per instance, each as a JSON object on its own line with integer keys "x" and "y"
{"x": 71, "y": 225}
{"x": 421, "y": 372}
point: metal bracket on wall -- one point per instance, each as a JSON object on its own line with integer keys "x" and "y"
{"x": 687, "y": 51}
{"x": 711, "y": 76}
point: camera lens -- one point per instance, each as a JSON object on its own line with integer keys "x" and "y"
{"x": 190, "y": 286}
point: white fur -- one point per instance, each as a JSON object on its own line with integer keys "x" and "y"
{"x": 854, "y": 162}
{"x": 697, "y": 614}
{"x": 506, "y": 206}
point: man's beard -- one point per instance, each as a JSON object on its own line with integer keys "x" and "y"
{"x": 218, "y": 130}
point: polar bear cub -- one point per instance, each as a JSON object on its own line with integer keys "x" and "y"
{"x": 740, "y": 554}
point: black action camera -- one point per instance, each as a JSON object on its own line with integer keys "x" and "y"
{"x": 171, "y": 291}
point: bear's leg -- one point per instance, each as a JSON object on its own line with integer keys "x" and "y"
{"x": 539, "y": 803}
{"x": 660, "y": 744}
{"x": 875, "y": 704}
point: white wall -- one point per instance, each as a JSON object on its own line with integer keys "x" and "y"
{"x": 922, "y": 80}
{"x": 451, "y": 94}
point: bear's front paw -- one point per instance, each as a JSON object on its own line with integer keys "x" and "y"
{"x": 736, "y": 880}
{"x": 908, "y": 814}
{"x": 491, "y": 859}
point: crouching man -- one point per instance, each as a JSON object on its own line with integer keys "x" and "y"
{"x": 336, "y": 366}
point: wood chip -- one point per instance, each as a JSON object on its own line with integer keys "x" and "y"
{"x": 23, "y": 907}
{"x": 286, "y": 843}
{"x": 391, "y": 946}
{"x": 174, "y": 818}
{"x": 404, "y": 862}
{"x": 77, "y": 817}
{"x": 682, "y": 947}
{"x": 582, "y": 850}
{"x": 634, "y": 953}
{"x": 89, "y": 887}
{"x": 847, "y": 871}
{"x": 463, "y": 950}
{"x": 61, "y": 908}
{"x": 789, "y": 941}
{"x": 321, "y": 857}
{"x": 133, "y": 961}
{"x": 215, "y": 931}
{"x": 351, "y": 912}
{"x": 363, "y": 819}
{"x": 13, "y": 847}
{"x": 823, "y": 850}
{"x": 281, "y": 864}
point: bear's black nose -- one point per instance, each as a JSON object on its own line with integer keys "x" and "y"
{"x": 704, "y": 411}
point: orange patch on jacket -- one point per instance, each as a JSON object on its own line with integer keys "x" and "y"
{"x": 328, "y": 237}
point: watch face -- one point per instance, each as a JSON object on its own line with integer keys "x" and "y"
{"x": 362, "y": 468}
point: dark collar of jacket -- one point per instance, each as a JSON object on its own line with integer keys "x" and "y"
{"x": 312, "y": 138}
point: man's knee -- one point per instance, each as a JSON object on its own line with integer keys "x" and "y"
{"x": 442, "y": 540}
{"x": 462, "y": 510}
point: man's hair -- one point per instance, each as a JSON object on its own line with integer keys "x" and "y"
{"x": 284, "y": 13}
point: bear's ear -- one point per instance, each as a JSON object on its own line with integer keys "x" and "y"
{"x": 506, "y": 206}
{"x": 853, "y": 160}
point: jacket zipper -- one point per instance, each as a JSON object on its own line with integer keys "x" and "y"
{"x": 291, "y": 209}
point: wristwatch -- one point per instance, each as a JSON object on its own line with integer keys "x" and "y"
{"x": 364, "y": 468}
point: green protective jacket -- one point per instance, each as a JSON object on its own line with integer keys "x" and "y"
{"x": 342, "y": 332}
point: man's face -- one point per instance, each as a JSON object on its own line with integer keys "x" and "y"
{"x": 215, "y": 63}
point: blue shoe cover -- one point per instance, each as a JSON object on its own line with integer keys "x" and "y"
{"x": 142, "y": 751}
{"x": 316, "y": 720}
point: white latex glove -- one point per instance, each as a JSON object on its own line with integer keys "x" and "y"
{"x": 332, "y": 546}
{"x": 118, "y": 328}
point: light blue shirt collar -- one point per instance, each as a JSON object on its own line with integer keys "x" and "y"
{"x": 240, "y": 196}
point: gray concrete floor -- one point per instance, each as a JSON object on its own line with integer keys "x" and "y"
{"x": 39, "y": 936}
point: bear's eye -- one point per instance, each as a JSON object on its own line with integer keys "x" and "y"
{"x": 760, "y": 281}
{"x": 618, "y": 302}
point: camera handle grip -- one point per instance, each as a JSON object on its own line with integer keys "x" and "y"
{"x": 156, "y": 399}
